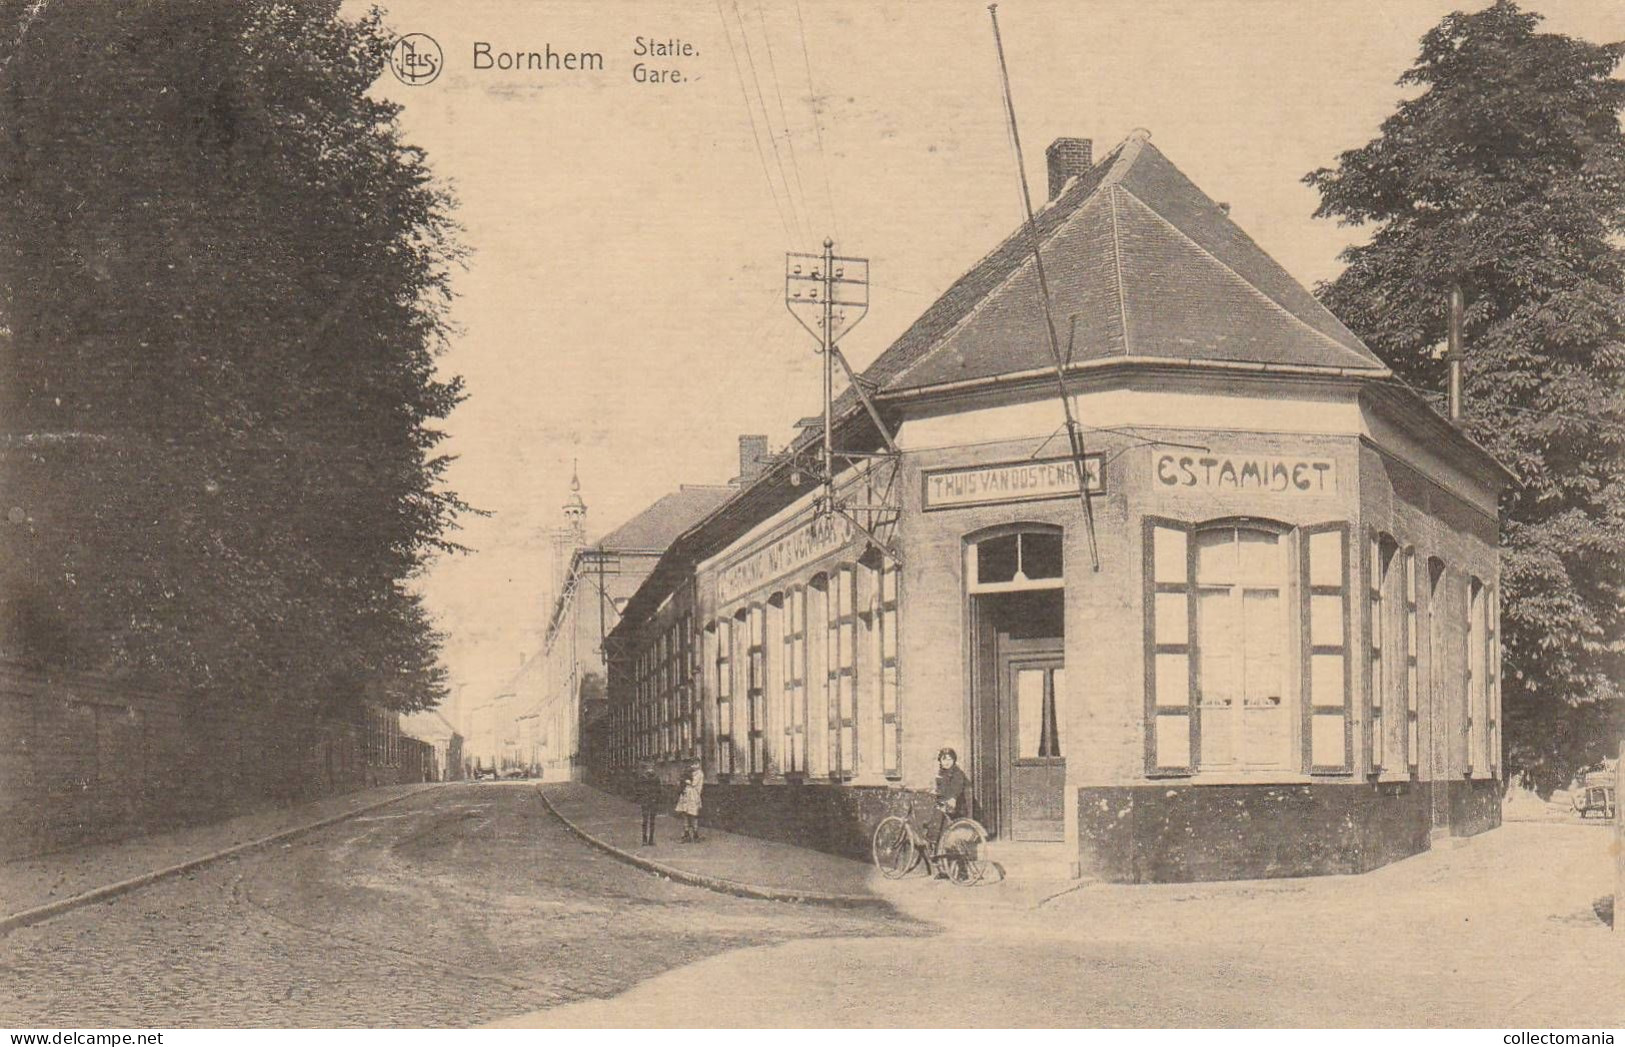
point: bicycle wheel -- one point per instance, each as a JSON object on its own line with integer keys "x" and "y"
{"x": 961, "y": 848}
{"x": 894, "y": 850}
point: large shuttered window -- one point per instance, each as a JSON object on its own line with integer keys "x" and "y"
{"x": 795, "y": 682}
{"x": 725, "y": 696}
{"x": 1492, "y": 668}
{"x": 1328, "y": 714}
{"x": 756, "y": 685}
{"x": 891, "y": 724}
{"x": 842, "y": 678}
{"x": 1171, "y": 713}
{"x": 819, "y": 746}
{"x": 1413, "y": 681}
{"x": 1477, "y": 677}
{"x": 1240, "y": 584}
{"x": 1382, "y": 653}
{"x": 1217, "y": 648}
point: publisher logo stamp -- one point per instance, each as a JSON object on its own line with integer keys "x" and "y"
{"x": 416, "y": 59}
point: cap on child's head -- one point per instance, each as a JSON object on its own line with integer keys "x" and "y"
{"x": 949, "y": 753}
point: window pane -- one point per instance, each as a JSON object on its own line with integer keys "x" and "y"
{"x": 847, "y": 594}
{"x": 1326, "y": 558}
{"x": 1218, "y": 641}
{"x": 1261, "y": 558}
{"x": 888, "y": 746}
{"x": 1041, "y": 555}
{"x": 846, "y": 645}
{"x": 1168, "y": 556}
{"x": 1326, "y": 621}
{"x": 1326, "y": 679}
{"x": 1268, "y": 734}
{"x": 888, "y": 690}
{"x": 1263, "y": 639}
{"x": 1173, "y": 681}
{"x": 1173, "y": 621}
{"x": 888, "y": 634}
{"x": 848, "y": 740}
{"x": 844, "y": 696}
{"x": 1326, "y": 739}
{"x": 888, "y": 585}
{"x": 1216, "y": 557}
{"x": 996, "y": 559}
{"x": 1173, "y": 740}
{"x": 1220, "y": 723}
{"x": 1029, "y": 711}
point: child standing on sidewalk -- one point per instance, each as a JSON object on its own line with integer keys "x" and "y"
{"x": 688, "y": 804}
{"x": 648, "y": 789}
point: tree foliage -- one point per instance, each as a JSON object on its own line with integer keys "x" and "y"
{"x": 1505, "y": 172}
{"x": 225, "y": 277}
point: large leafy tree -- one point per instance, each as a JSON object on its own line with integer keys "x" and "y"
{"x": 1504, "y": 172}
{"x": 224, "y": 277}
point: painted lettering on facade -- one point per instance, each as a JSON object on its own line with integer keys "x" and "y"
{"x": 1011, "y": 482}
{"x": 809, "y": 541}
{"x": 1263, "y": 474}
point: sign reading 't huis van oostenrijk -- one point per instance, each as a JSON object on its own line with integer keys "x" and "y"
{"x": 1258, "y": 473}
{"x": 1009, "y": 482}
{"x": 797, "y": 548}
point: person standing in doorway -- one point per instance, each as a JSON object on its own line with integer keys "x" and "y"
{"x": 648, "y": 789}
{"x": 688, "y": 803}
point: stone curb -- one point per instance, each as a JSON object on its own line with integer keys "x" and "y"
{"x": 715, "y": 883}
{"x": 113, "y": 890}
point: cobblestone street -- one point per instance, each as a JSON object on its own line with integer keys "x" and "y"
{"x": 461, "y": 906}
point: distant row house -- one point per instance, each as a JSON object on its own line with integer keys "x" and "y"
{"x": 1275, "y": 652}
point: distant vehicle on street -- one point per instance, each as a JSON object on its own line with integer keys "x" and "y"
{"x": 517, "y": 772}
{"x": 1597, "y": 792}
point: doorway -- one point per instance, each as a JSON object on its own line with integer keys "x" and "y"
{"x": 1018, "y": 762}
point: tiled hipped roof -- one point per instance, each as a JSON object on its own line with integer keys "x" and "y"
{"x": 1141, "y": 265}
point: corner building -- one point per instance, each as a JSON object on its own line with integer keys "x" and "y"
{"x": 1286, "y": 663}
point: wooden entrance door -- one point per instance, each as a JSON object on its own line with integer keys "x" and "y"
{"x": 1033, "y": 694}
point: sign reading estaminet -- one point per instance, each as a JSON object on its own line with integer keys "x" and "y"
{"x": 1009, "y": 482}
{"x": 1263, "y": 474}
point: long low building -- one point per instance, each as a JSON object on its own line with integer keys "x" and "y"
{"x": 1274, "y": 652}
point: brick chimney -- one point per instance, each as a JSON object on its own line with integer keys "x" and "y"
{"x": 1068, "y": 158}
{"x": 753, "y": 456}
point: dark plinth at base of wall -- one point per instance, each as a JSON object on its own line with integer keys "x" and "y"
{"x": 1173, "y": 833}
{"x": 836, "y": 819}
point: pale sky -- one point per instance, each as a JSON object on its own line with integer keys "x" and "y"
{"x": 623, "y": 304}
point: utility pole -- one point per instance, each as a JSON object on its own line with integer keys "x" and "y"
{"x": 823, "y": 292}
{"x": 1074, "y": 434}
{"x": 829, "y": 373}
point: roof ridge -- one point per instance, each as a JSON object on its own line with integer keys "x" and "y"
{"x": 986, "y": 299}
{"x": 1248, "y": 284}
{"x": 1117, "y": 262}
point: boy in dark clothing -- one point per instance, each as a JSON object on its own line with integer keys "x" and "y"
{"x": 649, "y": 791}
{"x": 953, "y": 790}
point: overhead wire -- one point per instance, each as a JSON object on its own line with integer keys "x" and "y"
{"x": 761, "y": 101}
{"x": 818, "y": 130}
{"x": 754, "y": 136}
{"x": 778, "y": 90}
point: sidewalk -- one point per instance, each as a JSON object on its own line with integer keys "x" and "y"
{"x": 67, "y": 877}
{"x": 722, "y": 861}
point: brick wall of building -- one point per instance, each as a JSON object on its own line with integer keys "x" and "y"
{"x": 83, "y": 760}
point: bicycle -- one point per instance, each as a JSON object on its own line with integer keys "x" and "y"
{"x": 898, "y": 847}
